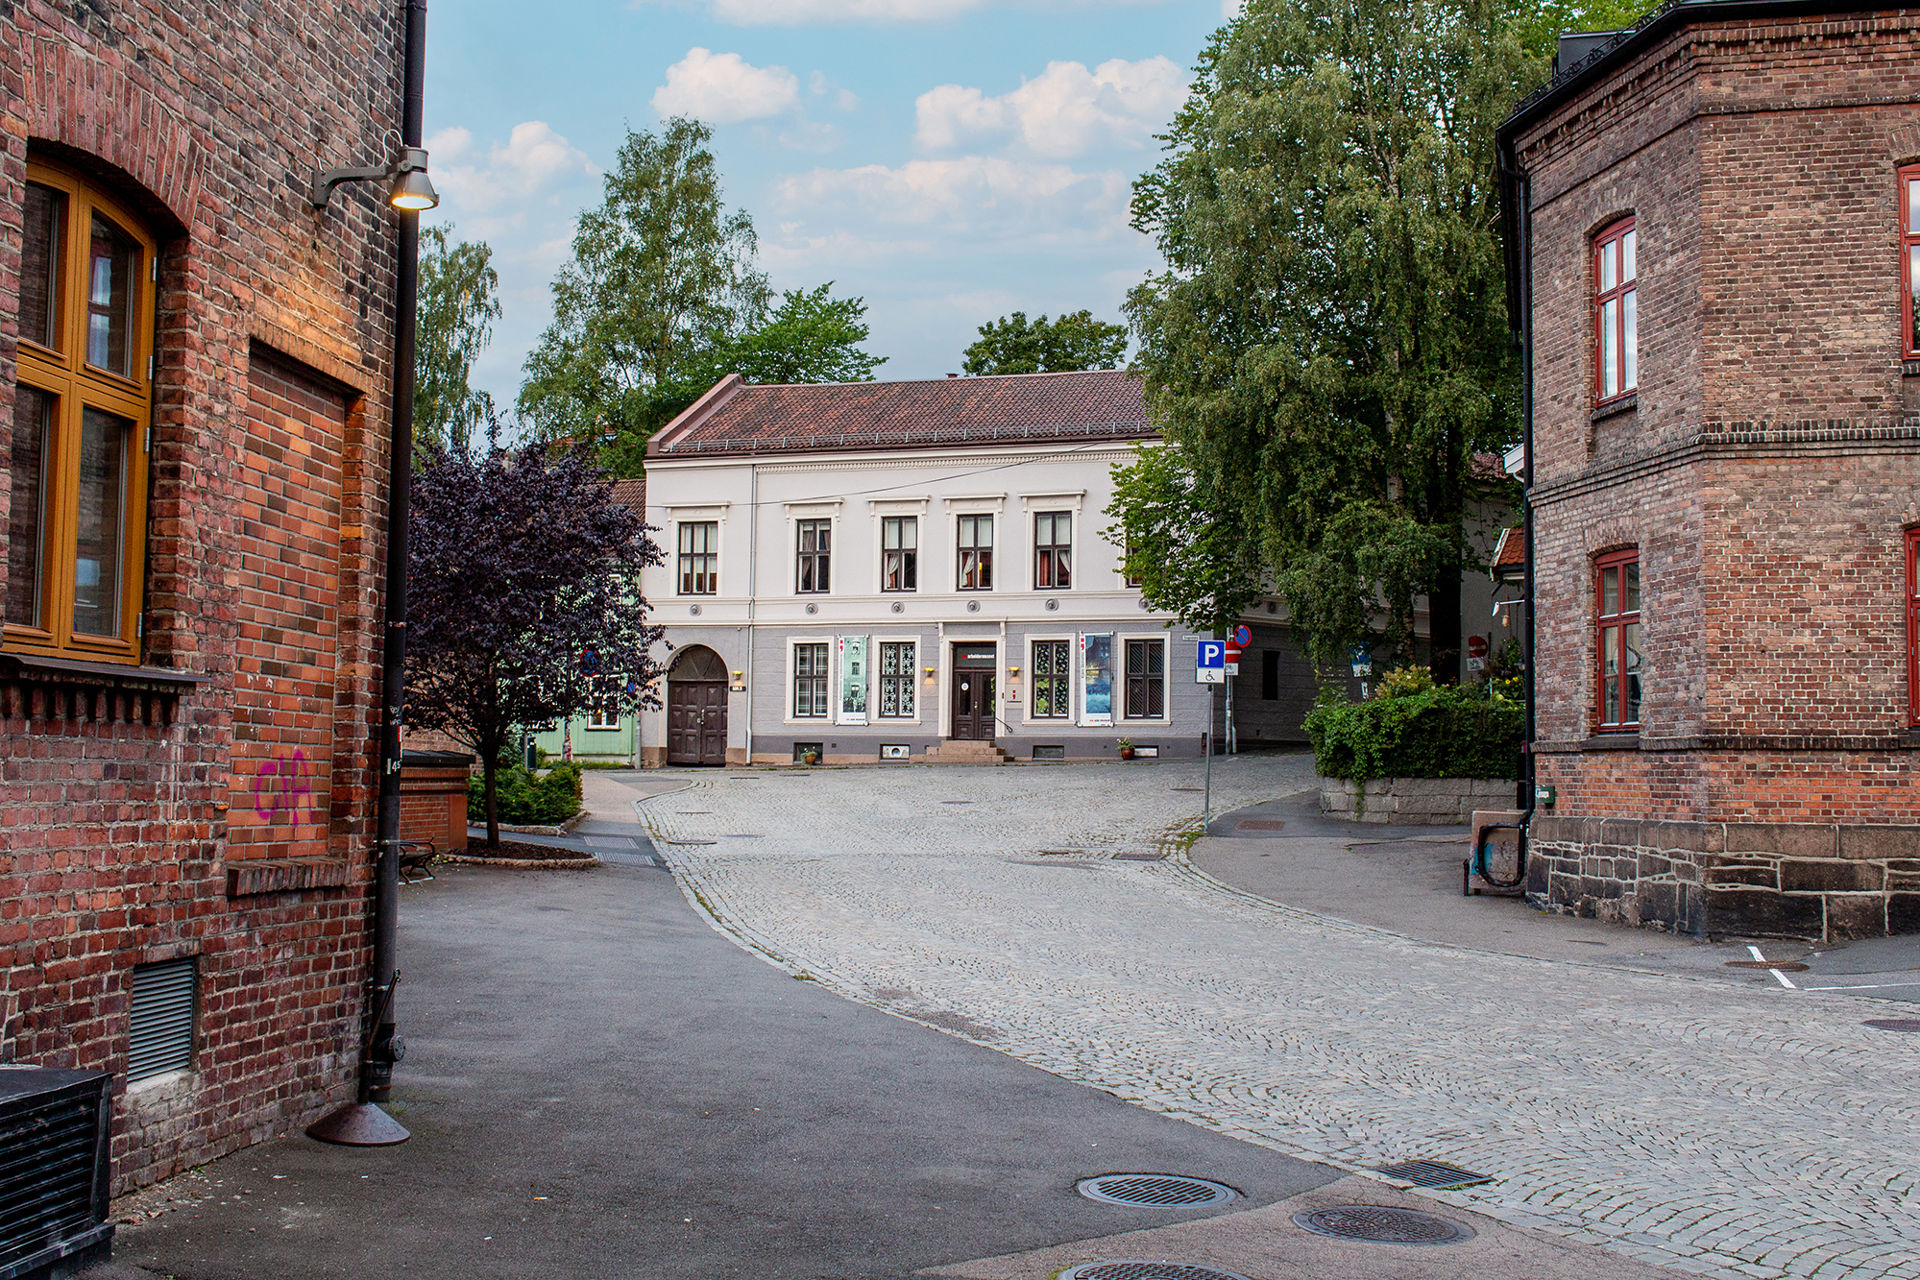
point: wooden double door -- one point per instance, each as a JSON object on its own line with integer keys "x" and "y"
{"x": 696, "y": 722}
{"x": 971, "y": 693}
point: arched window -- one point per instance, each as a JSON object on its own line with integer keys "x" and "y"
{"x": 76, "y": 530}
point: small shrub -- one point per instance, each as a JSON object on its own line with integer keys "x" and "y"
{"x": 1410, "y": 731}
{"x": 529, "y": 800}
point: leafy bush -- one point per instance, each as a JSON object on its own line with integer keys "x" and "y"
{"x": 529, "y": 800}
{"x": 1415, "y": 729}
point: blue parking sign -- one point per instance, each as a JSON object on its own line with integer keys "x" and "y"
{"x": 1210, "y": 662}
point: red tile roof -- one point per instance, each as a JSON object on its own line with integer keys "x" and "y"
{"x": 1510, "y": 556}
{"x": 631, "y": 494}
{"x": 738, "y": 418}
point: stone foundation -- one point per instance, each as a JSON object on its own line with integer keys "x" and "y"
{"x": 1821, "y": 881}
{"x": 1414, "y": 802}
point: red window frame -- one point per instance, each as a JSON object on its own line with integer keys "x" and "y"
{"x": 1617, "y": 632}
{"x": 1913, "y": 626}
{"x": 1908, "y": 194}
{"x": 1617, "y": 245}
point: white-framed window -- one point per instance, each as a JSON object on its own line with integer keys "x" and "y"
{"x": 812, "y": 662}
{"x": 1144, "y": 671}
{"x": 899, "y": 553}
{"x": 699, "y": 557}
{"x": 603, "y": 716}
{"x": 1052, "y": 550}
{"x": 1050, "y": 666}
{"x": 973, "y": 540}
{"x": 813, "y": 541}
{"x": 899, "y": 675}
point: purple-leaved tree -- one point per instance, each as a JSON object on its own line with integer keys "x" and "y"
{"x": 524, "y": 599}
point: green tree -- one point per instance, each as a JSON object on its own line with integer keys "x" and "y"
{"x": 662, "y": 277}
{"x": 1327, "y": 347}
{"x": 1014, "y": 344}
{"x": 809, "y": 337}
{"x": 458, "y": 305}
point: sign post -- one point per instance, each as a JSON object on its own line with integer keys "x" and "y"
{"x": 1209, "y": 667}
{"x": 1237, "y": 639}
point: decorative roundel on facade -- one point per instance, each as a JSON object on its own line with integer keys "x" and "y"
{"x": 973, "y": 606}
{"x": 1143, "y": 602}
{"x": 1053, "y": 605}
{"x": 693, "y": 610}
{"x": 812, "y": 607}
{"x": 898, "y": 607}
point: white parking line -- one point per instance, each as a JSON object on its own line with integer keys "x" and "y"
{"x": 1784, "y": 980}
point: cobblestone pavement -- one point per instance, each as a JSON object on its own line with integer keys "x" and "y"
{"x": 1719, "y": 1129}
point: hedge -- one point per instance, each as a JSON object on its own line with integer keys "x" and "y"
{"x": 1435, "y": 732}
{"x": 529, "y": 800}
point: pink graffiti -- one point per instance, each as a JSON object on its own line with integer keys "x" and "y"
{"x": 281, "y": 787}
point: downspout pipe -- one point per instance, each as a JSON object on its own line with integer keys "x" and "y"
{"x": 362, "y": 1123}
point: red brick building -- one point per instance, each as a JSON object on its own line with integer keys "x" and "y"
{"x": 196, "y": 386}
{"x": 1714, "y": 241}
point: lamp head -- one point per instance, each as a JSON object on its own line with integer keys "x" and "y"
{"x": 412, "y": 190}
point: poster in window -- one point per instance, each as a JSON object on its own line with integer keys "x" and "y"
{"x": 1096, "y": 683}
{"x": 853, "y": 679}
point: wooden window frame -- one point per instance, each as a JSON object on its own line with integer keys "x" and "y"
{"x": 820, "y": 680}
{"x": 1625, "y": 293}
{"x": 973, "y": 561}
{"x": 900, "y": 564}
{"x": 901, "y": 685}
{"x": 75, "y": 386}
{"x": 1614, "y": 719}
{"x": 813, "y": 565}
{"x": 1148, "y": 682}
{"x": 1909, "y": 223}
{"x": 695, "y": 566}
{"x": 1053, "y": 560}
{"x": 603, "y": 718}
{"x": 1913, "y": 626}
{"x": 1053, "y": 688}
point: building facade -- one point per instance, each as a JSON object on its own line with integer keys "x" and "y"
{"x": 1714, "y": 245}
{"x": 910, "y": 570}
{"x": 195, "y": 388}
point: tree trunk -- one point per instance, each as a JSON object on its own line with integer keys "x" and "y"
{"x": 1443, "y": 621}
{"x": 490, "y": 772}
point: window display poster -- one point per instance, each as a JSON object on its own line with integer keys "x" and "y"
{"x": 1096, "y": 684}
{"x": 853, "y": 679}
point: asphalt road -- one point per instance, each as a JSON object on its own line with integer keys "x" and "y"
{"x": 600, "y": 1085}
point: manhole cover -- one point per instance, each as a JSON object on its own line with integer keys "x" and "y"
{"x": 1157, "y": 1189}
{"x": 1260, "y": 824}
{"x": 1146, "y": 1271}
{"x": 1382, "y": 1224}
{"x": 1432, "y": 1173}
{"x": 1894, "y": 1024}
{"x": 1785, "y": 966}
{"x": 694, "y": 813}
{"x": 956, "y": 802}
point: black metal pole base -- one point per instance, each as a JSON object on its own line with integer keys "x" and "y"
{"x": 358, "y": 1124}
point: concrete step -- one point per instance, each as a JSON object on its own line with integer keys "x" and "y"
{"x": 955, "y": 752}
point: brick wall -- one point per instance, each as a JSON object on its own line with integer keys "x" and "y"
{"x": 1765, "y": 470}
{"x": 140, "y": 819}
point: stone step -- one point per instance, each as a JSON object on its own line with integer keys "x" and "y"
{"x": 959, "y": 752}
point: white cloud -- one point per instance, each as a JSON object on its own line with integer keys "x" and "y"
{"x": 1065, "y": 111}
{"x": 724, "y": 88}
{"x": 970, "y": 195}
{"x": 499, "y": 184}
{"x": 788, "y": 13}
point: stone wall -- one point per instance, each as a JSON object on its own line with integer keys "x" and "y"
{"x": 1825, "y": 881}
{"x": 1414, "y": 801}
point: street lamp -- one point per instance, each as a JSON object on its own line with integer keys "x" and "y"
{"x": 409, "y": 189}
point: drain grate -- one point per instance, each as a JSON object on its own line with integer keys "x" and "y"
{"x": 1432, "y": 1174}
{"x": 1260, "y": 824}
{"x": 1894, "y": 1024}
{"x": 1131, "y": 1270}
{"x": 1785, "y": 966}
{"x": 956, "y": 802}
{"x": 1382, "y": 1224}
{"x": 1155, "y": 1190}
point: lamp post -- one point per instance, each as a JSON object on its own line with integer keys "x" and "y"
{"x": 362, "y": 1123}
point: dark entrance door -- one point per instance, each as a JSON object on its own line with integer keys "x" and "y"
{"x": 696, "y": 722}
{"x": 972, "y": 692}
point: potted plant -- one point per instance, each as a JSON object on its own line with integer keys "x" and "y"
{"x": 810, "y": 756}
{"x": 1126, "y": 748}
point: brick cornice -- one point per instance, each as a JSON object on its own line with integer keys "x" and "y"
{"x": 1740, "y": 742}
{"x": 1829, "y": 438}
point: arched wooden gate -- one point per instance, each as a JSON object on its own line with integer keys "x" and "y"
{"x": 697, "y": 708}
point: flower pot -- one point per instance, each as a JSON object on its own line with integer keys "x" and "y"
{"x": 1126, "y": 753}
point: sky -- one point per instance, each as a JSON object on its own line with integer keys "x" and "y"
{"x": 949, "y": 161}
